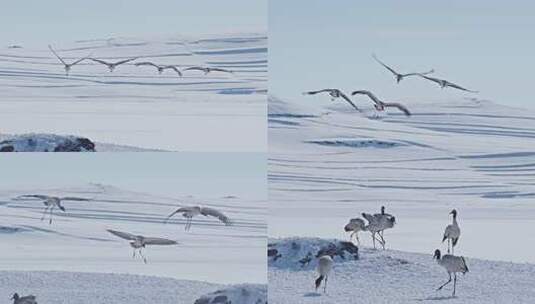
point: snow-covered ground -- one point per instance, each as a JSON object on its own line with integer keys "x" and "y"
{"x": 135, "y": 106}
{"x": 394, "y": 277}
{"x": 327, "y": 165}
{"x": 77, "y": 240}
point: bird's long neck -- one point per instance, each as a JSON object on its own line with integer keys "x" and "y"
{"x": 454, "y": 221}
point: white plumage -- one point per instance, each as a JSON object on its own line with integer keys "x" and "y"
{"x": 325, "y": 265}
{"x": 452, "y": 232}
{"x": 137, "y": 242}
{"x": 377, "y": 224}
{"x": 192, "y": 211}
{"x": 354, "y": 226}
{"x": 452, "y": 264}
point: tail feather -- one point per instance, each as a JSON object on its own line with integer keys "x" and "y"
{"x": 444, "y": 238}
{"x": 455, "y": 241}
{"x": 465, "y": 265}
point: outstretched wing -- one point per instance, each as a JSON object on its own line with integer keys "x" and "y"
{"x": 399, "y": 106}
{"x": 174, "y": 68}
{"x": 179, "y": 210}
{"x": 158, "y": 241}
{"x": 39, "y": 196}
{"x": 80, "y": 60}
{"x": 73, "y": 198}
{"x": 125, "y": 61}
{"x": 194, "y": 69}
{"x": 55, "y": 54}
{"x": 453, "y": 85}
{"x": 316, "y": 92}
{"x": 384, "y": 65}
{"x": 99, "y": 61}
{"x": 418, "y": 74}
{"x": 430, "y": 78}
{"x": 222, "y": 70}
{"x": 123, "y": 235}
{"x": 216, "y": 213}
{"x": 146, "y": 63}
{"x": 349, "y": 101}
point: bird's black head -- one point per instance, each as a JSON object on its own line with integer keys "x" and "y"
{"x": 15, "y": 296}
{"x": 382, "y": 209}
{"x": 437, "y": 254}
{"x": 454, "y": 212}
{"x": 393, "y": 220}
{"x": 398, "y": 78}
{"x": 62, "y": 208}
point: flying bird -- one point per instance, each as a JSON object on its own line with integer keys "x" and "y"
{"x": 207, "y": 70}
{"x": 444, "y": 83}
{"x": 112, "y": 65}
{"x": 399, "y": 76}
{"x": 23, "y": 300}
{"x": 325, "y": 265}
{"x": 452, "y": 232}
{"x": 190, "y": 212}
{"x": 452, "y": 264}
{"x": 52, "y": 202}
{"x": 67, "y": 66}
{"x": 334, "y": 93}
{"x": 138, "y": 242}
{"x": 381, "y": 105}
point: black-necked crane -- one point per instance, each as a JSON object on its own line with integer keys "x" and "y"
{"x": 52, "y": 202}
{"x": 377, "y": 224}
{"x": 397, "y": 75}
{"x": 192, "y": 211}
{"x": 67, "y": 66}
{"x": 452, "y": 232}
{"x": 138, "y": 242}
{"x": 354, "y": 226}
{"x": 325, "y": 265}
{"x": 452, "y": 264}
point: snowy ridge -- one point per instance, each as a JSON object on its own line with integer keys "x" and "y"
{"x": 154, "y": 111}
{"x": 399, "y": 277}
{"x": 239, "y": 294}
{"x": 94, "y": 288}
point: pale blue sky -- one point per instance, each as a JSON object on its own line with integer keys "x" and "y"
{"x": 483, "y": 45}
{"x": 166, "y": 174}
{"x": 42, "y": 22}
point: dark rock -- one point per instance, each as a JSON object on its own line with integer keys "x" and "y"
{"x": 7, "y": 148}
{"x": 79, "y": 144}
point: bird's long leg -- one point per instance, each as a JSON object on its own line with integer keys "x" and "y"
{"x": 454, "y": 282}
{"x": 51, "y": 214}
{"x": 142, "y": 256}
{"x": 134, "y": 253}
{"x": 357, "y": 237}
{"x": 445, "y": 283}
{"x": 44, "y": 213}
{"x": 325, "y": 286}
{"x": 448, "y": 245}
{"x": 373, "y": 238}
{"x": 382, "y": 241}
